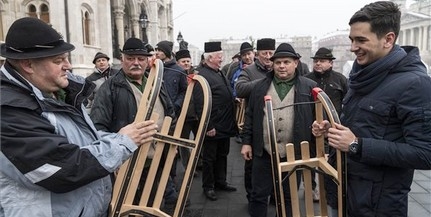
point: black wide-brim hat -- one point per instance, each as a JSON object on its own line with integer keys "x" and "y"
{"x": 245, "y": 47}
{"x": 323, "y": 53}
{"x": 30, "y": 38}
{"x": 284, "y": 50}
{"x": 135, "y": 46}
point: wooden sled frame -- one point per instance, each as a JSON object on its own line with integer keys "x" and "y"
{"x": 128, "y": 177}
{"x": 240, "y": 114}
{"x": 307, "y": 164}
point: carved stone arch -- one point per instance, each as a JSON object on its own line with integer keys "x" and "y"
{"x": 2, "y": 3}
{"x": 87, "y": 24}
{"x": 88, "y": 7}
{"x": 40, "y": 2}
{"x": 38, "y": 13}
{"x": 134, "y": 8}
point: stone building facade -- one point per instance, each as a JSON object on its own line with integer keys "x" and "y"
{"x": 103, "y": 26}
{"x": 95, "y": 25}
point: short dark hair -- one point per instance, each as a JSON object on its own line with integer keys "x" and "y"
{"x": 383, "y": 16}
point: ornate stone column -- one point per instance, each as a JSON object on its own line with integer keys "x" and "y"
{"x": 153, "y": 18}
{"x": 136, "y": 27}
{"x": 118, "y": 17}
{"x": 425, "y": 40}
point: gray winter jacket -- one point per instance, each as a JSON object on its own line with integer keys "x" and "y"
{"x": 53, "y": 160}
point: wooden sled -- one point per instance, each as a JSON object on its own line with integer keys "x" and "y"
{"x": 240, "y": 114}
{"x": 306, "y": 164}
{"x": 127, "y": 180}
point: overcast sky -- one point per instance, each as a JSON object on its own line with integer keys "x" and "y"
{"x": 201, "y": 20}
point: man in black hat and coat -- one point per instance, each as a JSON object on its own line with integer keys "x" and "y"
{"x": 245, "y": 83}
{"x": 117, "y": 101}
{"x": 292, "y": 124}
{"x": 101, "y": 73}
{"x": 246, "y": 53}
{"x": 264, "y": 50}
{"x": 53, "y": 160}
{"x": 221, "y": 125}
{"x": 334, "y": 84}
{"x": 174, "y": 77}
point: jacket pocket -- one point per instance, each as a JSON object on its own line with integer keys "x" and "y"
{"x": 376, "y": 114}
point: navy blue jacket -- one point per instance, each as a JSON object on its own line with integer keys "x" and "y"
{"x": 175, "y": 81}
{"x": 388, "y": 106}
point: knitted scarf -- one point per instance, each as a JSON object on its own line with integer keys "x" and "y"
{"x": 364, "y": 79}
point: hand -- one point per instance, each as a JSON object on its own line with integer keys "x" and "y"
{"x": 140, "y": 132}
{"x": 211, "y": 132}
{"x": 247, "y": 152}
{"x": 319, "y": 129}
{"x": 340, "y": 137}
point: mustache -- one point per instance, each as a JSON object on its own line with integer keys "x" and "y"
{"x": 135, "y": 67}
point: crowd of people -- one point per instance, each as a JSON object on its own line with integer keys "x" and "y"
{"x": 63, "y": 136}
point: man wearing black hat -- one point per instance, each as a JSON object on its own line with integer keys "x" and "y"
{"x": 174, "y": 77}
{"x": 221, "y": 125}
{"x": 191, "y": 124}
{"x": 292, "y": 124}
{"x": 100, "y": 74}
{"x": 116, "y": 103}
{"x": 184, "y": 60}
{"x": 234, "y": 62}
{"x": 246, "y": 58}
{"x": 333, "y": 83}
{"x": 247, "y": 55}
{"x": 245, "y": 83}
{"x": 264, "y": 51}
{"x": 53, "y": 160}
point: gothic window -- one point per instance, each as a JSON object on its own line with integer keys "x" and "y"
{"x": 87, "y": 23}
{"x": 38, "y": 10}
{"x": 31, "y": 11}
{"x": 86, "y": 28}
{"x": 44, "y": 13}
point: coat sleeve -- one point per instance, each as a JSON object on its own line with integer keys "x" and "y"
{"x": 181, "y": 93}
{"x": 244, "y": 85}
{"x": 247, "y": 131}
{"x": 102, "y": 111}
{"x": 43, "y": 157}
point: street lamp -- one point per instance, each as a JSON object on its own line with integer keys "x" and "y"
{"x": 143, "y": 20}
{"x": 183, "y": 45}
{"x": 180, "y": 38}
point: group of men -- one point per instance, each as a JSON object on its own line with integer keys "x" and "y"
{"x": 57, "y": 160}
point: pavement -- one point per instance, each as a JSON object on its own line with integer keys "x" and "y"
{"x": 234, "y": 204}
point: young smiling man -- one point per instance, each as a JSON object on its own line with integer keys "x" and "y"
{"x": 386, "y": 115}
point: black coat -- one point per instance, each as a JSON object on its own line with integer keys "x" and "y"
{"x": 115, "y": 104}
{"x": 223, "y": 104}
{"x": 175, "y": 81}
{"x": 333, "y": 83}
